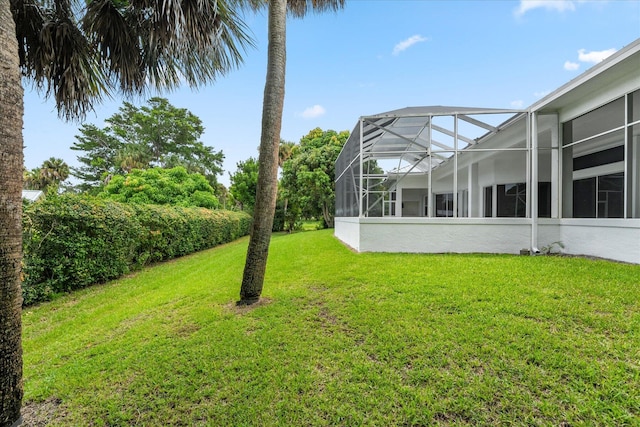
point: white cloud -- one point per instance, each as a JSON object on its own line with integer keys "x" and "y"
{"x": 517, "y": 103}
{"x": 406, "y": 44}
{"x": 557, "y": 5}
{"x": 571, "y": 66}
{"x": 313, "y": 112}
{"x": 541, "y": 94}
{"x": 594, "y": 56}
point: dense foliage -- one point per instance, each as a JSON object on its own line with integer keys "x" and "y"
{"x": 244, "y": 182}
{"x": 161, "y": 187}
{"x": 73, "y": 241}
{"x": 47, "y": 177}
{"x": 308, "y": 177}
{"x": 155, "y": 135}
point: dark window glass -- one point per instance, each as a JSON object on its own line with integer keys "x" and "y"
{"x": 600, "y": 120}
{"x": 584, "y": 198}
{"x": 604, "y": 157}
{"x": 488, "y": 202}
{"x": 601, "y": 197}
{"x": 611, "y": 196}
{"x": 444, "y": 205}
{"x": 512, "y": 200}
{"x": 544, "y": 199}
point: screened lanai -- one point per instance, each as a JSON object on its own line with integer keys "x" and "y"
{"x": 429, "y": 142}
{"x": 450, "y": 179}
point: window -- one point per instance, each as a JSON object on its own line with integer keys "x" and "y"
{"x": 599, "y": 147}
{"x": 390, "y": 203}
{"x": 599, "y": 196}
{"x": 444, "y": 205}
{"x": 600, "y": 120}
{"x": 544, "y": 200}
{"x": 488, "y": 202}
{"x": 600, "y": 158}
{"x": 512, "y": 200}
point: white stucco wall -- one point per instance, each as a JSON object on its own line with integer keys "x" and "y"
{"x": 614, "y": 239}
{"x": 436, "y": 235}
{"x": 617, "y": 239}
{"x": 348, "y": 231}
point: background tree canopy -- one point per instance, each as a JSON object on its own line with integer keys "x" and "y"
{"x": 155, "y": 135}
{"x": 308, "y": 176}
{"x": 244, "y": 182}
{"x": 161, "y": 187}
{"x": 47, "y": 177}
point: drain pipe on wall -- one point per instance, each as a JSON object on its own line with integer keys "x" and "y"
{"x": 532, "y": 135}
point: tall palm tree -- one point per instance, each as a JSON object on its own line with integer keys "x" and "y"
{"x": 32, "y": 179}
{"x": 266, "y": 193}
{"x": 53, "y": 171}
{"x": 78, "y": 52}
{"x": 285, "y": 150}
{"x": 11, "y": 110}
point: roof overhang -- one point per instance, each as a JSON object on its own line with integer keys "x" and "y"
{"x": 624, "y": 62}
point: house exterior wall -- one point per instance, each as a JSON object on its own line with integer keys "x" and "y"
{"x": 435, "y": 235}
{"x": 616, "y": 239}
{"x": 347, "y": 229}
{"x": 611, "y": 239}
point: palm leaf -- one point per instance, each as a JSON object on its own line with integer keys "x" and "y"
{"x": 78, "y": 52}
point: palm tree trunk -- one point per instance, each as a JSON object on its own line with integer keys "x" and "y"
{"x": 267, "y": 187}
{"x": 11, "y": 110}
{"x": 328, "y": 217}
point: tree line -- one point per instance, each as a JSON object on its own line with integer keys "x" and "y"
{"x": 80, "y": 52}
{"x": 306, "y": 188}
{"x": 153, "y": 154}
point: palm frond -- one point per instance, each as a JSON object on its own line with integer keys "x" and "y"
{"x": 207, "y": 40}
{"x": 114, "y": 34}
{"x": 58, "y": 58}
{"x": 78, "y": 52}
{"x": 299, "y": 8}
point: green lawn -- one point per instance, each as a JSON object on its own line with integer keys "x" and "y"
{"x": 343, "y": 339}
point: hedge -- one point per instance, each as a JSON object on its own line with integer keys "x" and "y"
{"x": 72, "y": 241}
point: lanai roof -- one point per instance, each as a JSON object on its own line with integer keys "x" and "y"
{"x": 405, "y": 133}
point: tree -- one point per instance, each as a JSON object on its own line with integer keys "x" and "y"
{"x": 223, "y": 195}
{"x": 267, "y": 188}
{"x": 32, "y": 179}
{"x": 285, "y": 150}
{"x": 102, "y": 151}
{"x": 47, "y": 177}
{"x": 11, "y": 111}
{"x": 308, "y": 177}
{"x": 244, "y": 182}
{"x": 79, "y": 53}
{"x": 54, "y": 171}
{"x": 159, "y": 186}
{"x": 157, "y": 134}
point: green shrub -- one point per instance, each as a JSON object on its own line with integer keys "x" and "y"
{"x": 175, "y": 187}
{"x": 74, "y": 241}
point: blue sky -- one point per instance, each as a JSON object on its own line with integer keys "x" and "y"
{"x": 376, "y": 56}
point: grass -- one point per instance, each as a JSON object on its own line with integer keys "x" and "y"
{"x": 343, "y": 339}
